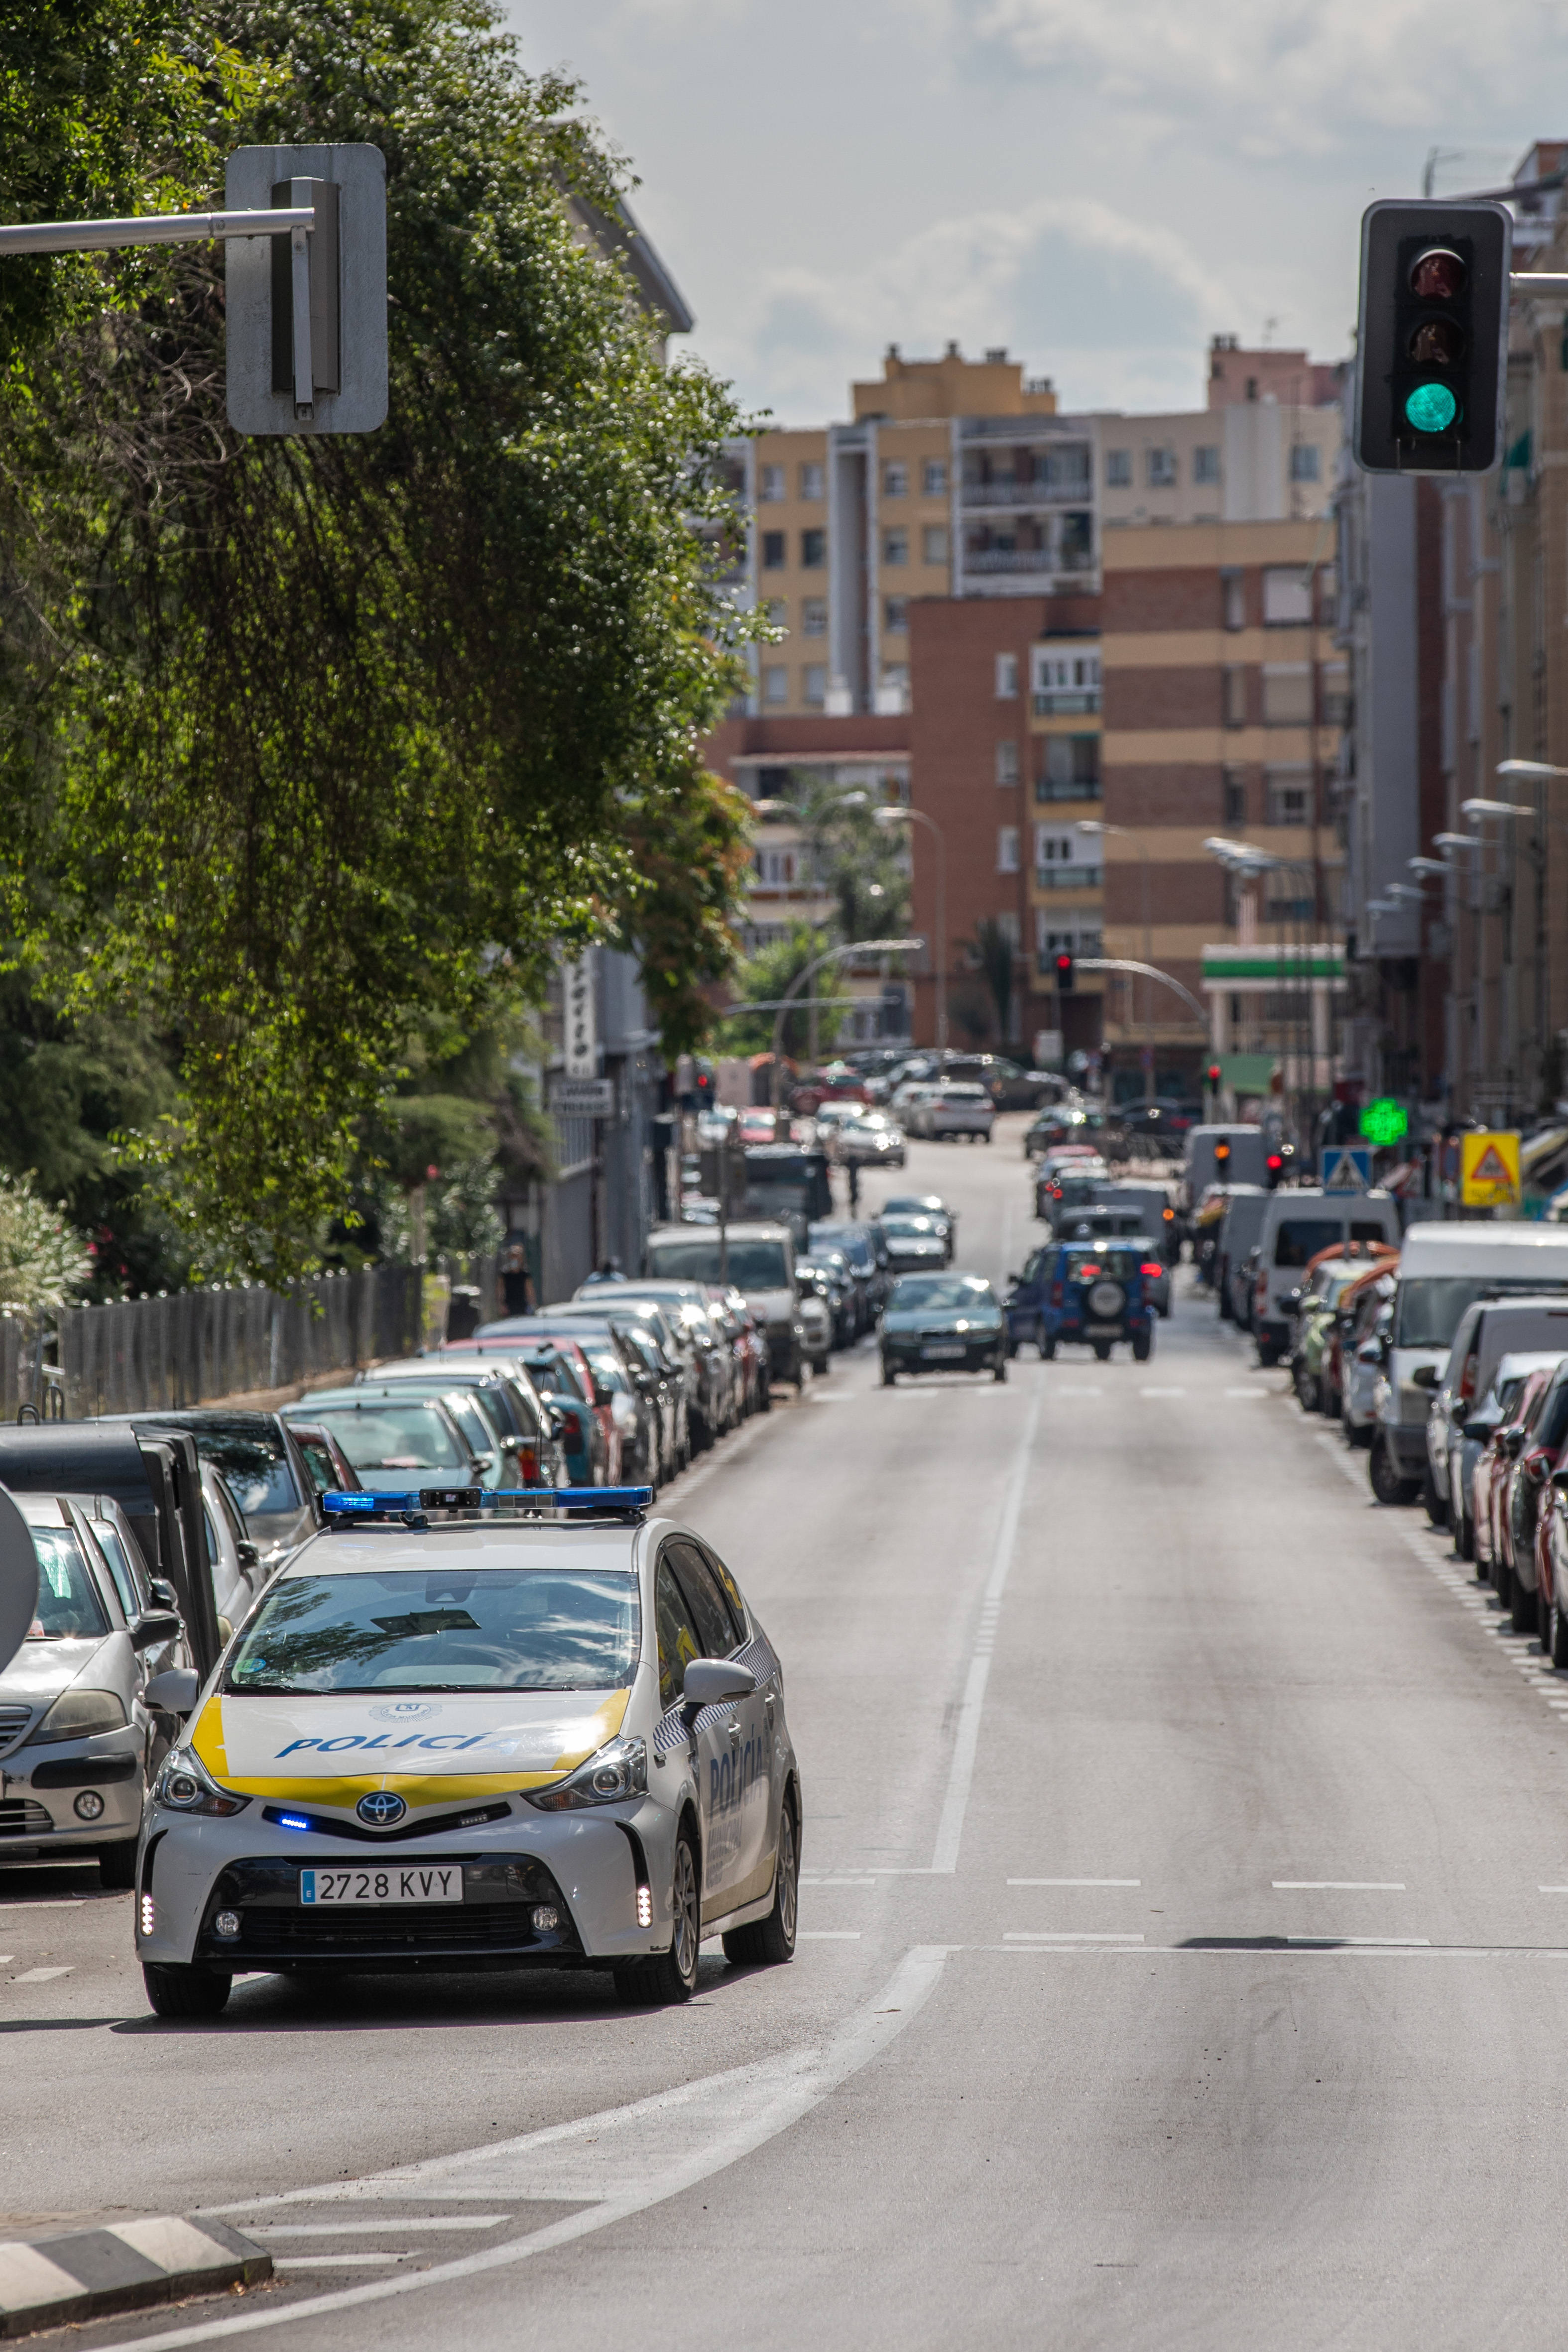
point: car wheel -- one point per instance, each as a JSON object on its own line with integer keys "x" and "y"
{"x": 1267, "y": 1354}
{"x": 1305, "y": 1386}
{"x": 1388, "y": 1485}
{"x": 1524, "y": 1609}
{"x": 1102, "y": 1351}
{"x": 1465, "y": 1535}
{"x": 1142, "y": 1345}
{"x": 1557, "y": 1635}
{"x": 768, "y": 1943}
{"x": 671, "y": 1977}
{"x": 1502, "y": 1584}
{"x": 1435, "y": 1507}
{"x": 1047, "y": 1350}
{"x": 117, "y": 1865}
{"x": 176, "y": 1991}
{"x": 889, "y": 1377}
{"x": 999, "y": 1369}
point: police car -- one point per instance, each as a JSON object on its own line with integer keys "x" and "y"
{"x": 475, "y": 1729}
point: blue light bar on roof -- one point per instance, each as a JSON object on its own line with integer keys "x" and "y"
{"x": 401, "y": 1503}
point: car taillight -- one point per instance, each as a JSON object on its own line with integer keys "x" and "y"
{"x": 1468, "y": 1381}
{"x": 527, "y": 1466}
{"x": 1151, "y": 1269}
{"x": 1056, "y": 1294}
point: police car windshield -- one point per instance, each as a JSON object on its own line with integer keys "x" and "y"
{"x": 442, "y": 1629}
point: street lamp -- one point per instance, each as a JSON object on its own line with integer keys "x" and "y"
{"x": 807, "y": 972}
{"x": 1096, "y": 827}
{"x": 1455, "y": 841}
{"x": 1429, "y": 864}
{"x": 1529, "y": 768}
{"x": 894, "y": 813}
{"x": 1478, "y": 809}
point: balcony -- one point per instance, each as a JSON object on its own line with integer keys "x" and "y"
{"x": 1069, "y": 877}
{"x": 1025, "y": 494}
{"x": 1059, "y": 701}
{"x": 1013, "y": 559}
{"x": 1066, "y": 788}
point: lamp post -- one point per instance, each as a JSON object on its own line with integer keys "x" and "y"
{"x": 850, "y": 948}
{"x": 891, "y": 816}
{"x": 1098, "y": 829}
{"x": 1247, "y": 860}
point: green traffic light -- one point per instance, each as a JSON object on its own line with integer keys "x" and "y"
{"x": 1431, "y": 408}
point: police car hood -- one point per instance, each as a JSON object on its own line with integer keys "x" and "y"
{"x": 332, "y": 1750}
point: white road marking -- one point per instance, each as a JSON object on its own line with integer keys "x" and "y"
{"x": 1339, "y": 1886}
{"x": 1074, "y": 1882}
{"x": 950, "y": 1828}
{"x": 1052, "y": 1935}
{"x": 1162, "y": 1392}
{"x": 1552, "y": 1890}
{"x": 1071, "y": 1389}
{"x": 627, "y": 2158}
{"x": 346, "y": 2262}
{"x": 39, "y": 1976}
{"x": 836, "y": 1878}
{"x": 828, "y": 1936}
{"x": 72, "y": 1903}
{"x": 7, "y": 1958}
{"x": 371, "y": 2228}
{"x": 1252, "y": 1393}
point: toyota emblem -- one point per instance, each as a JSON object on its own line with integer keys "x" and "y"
{"x": 381, "y": 1808}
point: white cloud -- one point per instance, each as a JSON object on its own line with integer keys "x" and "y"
{"x": 1279, "y": 76}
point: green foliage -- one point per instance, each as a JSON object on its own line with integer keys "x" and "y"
{"x": 995, "y": 953}
{"x": 863, "y": 865}
{"x": 42, "y": 1262}
{"x": 689, "y": 853}
{"x": 298, "y": 738}
{"x": 766, "y": 977}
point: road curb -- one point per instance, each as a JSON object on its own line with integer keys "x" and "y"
{"x": 85, "y": 2273}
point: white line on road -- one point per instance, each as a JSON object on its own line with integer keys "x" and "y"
{"x": 39, "y": 1976}
{"x": 950, "y": 1828}
{"x": 1341, "y": 1886}
{"x": 72, "y": 1903}
{"x": 1052, "y": 1936}
{"x": 1074, "y": 1882}
{"x": 346, "y": 2262}
{"x": 371, "y": 2228}
{"x": 629, "y": 2158}
{"x": 1071, "y": 1389}
{"x": 828, "y": 1936}
{"x": 1162, "y": 1392}
{"x": 1251, "y": 1392}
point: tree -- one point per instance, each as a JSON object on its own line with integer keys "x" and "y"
{"x": 994, "y": 951}
{"x": 763, "y": 979}
{"x": 301, "y": 737}
{"x": 42, "y": 1262}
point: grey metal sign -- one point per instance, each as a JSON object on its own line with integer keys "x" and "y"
{"x": 307, "y": 310}
{"x": 582, "y": 1098}
{"x": 18, "y": 1579}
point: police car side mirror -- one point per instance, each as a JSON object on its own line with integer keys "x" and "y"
{"x": 173, "y": 1692}
{"x": 711, "y": 1680}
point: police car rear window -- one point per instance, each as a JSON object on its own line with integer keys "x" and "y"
{"x": 446, "y": 1629}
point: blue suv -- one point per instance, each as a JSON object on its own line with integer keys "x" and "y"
{"x": 1085, "y": 1295}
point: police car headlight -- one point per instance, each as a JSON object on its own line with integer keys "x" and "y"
{"x": 186, "y": 1786}
{"x": 617, "y": 1771}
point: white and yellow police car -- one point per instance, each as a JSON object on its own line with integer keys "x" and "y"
{"x": 473, "y": 1729}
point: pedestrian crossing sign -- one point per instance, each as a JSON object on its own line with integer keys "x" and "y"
{"x": 1489, "y": 1169}
{"x": 1347, "y": 1169}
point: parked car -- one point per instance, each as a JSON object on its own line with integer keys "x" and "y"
{"x": 1240, "y": 1223}
{"x": 1363, "y": 1351}
{"x": 866, "y": 1252}
{"x": 1497, "y": 1323}
{"x": 395, "y": 1439}
{"x": 1316, "y": 1305}
{"x": 265, "y": 1469}
{"x": 1533, "y": 1447}
{"x": 1355, "y": 1310}
{"x": 817, "y": 1312}
{"x": 870, "y": 1140}
{"x": 1520, "y": 1380}
{"x": 327, "y": 1465}
{"x": 759, "y": 1260}
{"x": 716, "y": 1405}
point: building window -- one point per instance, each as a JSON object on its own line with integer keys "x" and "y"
{"x": 1336, "y": 693}
{"x": 1233, "y": 588}
{"x": 1205, "y": 463}
{"x": 1304, "y": 462}
{"x": 775, "y": 683}
{"x": 773, "y": 550}
{"x": 1232, "y": 681}
{"x": 1006, "y": 677}
{"x": 1161, "y": 468}
{"x": 1065, "y": 681}
{"x": 1007, "y": 762}
{"x": 934, "y": 478}
{"x": 896, "y": 680}
{"x": 775, "y": 868}
{"x": 814, "y": 684}
{"x": 1118, "y": 469}
{"x": 895, "y": 547}
{"x": 1288, "y": 796}
{"x": 1066, "y": 468}
{"x": 1234, "y": 793}
{"x": 1006, "y": 849}
{"x": 813, "y": 616}
{"x": 933, "y": 542}
{"x": 813, "y": 550}
{"x": 895, "y": 478}
{"x": 1287, "y": 595}
{"x": 895, "y": 614}
{"x": 770, "y": 484}
{"x": 1287, "y": 694}
{"x": 813, "y": 482}
{"x": 1070, "y": 768}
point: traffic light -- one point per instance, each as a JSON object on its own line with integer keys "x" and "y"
{"x": 1212, "y": 1078}
{"x": 1064, "y": 975}
{"x": 1432, "y": 339}
{"x": 1274, "y": 1166}
{"x": 1221, "y": 1157}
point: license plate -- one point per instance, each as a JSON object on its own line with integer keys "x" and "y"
{"x": 1103, "y": 1331}
{"x": 405, "y": 1882}
{"x": 946, "y": 1352}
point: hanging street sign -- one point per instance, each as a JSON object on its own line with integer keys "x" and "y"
{"x": 582, "y": 1098}
{"x": 1384, "y": 1122}
{"x": 1347, "y": 1168}
{"x": 1489, "y": 1169}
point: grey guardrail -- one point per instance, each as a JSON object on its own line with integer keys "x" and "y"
{"x": 86, "y": 2273}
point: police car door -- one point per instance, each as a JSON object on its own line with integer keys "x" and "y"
{"x": 678, "y": 1642}
{"x": 761, "y": 1786}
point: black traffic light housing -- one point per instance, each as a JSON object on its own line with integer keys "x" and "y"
{"x": 1432, "y": 339}
{"x": 1212, "y": 1078}
{"x": 1064, "y": 975}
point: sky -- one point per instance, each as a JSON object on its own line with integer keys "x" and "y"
{"x": 1099, "y": 185}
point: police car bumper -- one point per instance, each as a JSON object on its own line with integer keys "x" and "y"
{"x": 536, "y": 1890}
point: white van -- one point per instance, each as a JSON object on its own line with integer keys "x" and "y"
{"x": 1296, "y": 1225}
{"x": 1443, "y": 1269}
{"x": 1242, "y": 1224}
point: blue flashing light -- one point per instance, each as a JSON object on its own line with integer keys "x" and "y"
{"x": 291, "y": 1822}
{"x": 400, "y": 1502}
{"x": 338, "y": 1501}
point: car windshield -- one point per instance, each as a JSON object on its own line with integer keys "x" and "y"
{"x": 256, "y": 1466}
{"x": 752, "y": 1265}
{"x": 922, "y": 1293}
{"x": 1429, "y": 1307}
{"x": 455, "y": 1628}
{"x": 1299, "y": 1239}
{"x": 68, "y": 1606}
{"x": 382, "y": 1441}
{"x": 920, "y": 1229}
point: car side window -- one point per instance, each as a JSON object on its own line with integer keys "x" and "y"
{"x": 709, "y": 1611}
{"x": 730, "y": 1591}
{"x": 209, "y": 1534}
{"x": 677, "y": 1642}
{"x": 119, "y": 1569}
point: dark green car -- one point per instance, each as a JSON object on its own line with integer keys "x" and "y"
{"x": 943, "y": 1323}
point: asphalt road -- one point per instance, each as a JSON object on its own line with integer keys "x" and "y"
{"x": 1185, "y": 1927}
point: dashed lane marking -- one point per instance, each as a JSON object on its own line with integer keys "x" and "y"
{"x": 1163, "y": 1393}
{"x": 1339, "y": 1886}
{"x": 1074, "y": 1882}
{"x": 347, "y": 2261}
{"x": 371, "y": 2228}
{"x": 829, "y": 1936}
{"x": 1051, "y": 1936}
{"x": 39, "y": 1976}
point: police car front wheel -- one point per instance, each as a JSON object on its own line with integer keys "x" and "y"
{"x": 176, "y": 1991}
{"x": 671, "y": 1976}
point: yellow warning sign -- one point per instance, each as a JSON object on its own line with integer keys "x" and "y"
{"x": 1488, "y": 1171}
